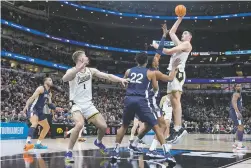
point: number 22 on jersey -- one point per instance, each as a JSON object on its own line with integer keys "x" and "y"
{"x": 136, "y": 78}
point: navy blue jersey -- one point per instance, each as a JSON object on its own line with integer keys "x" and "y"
{"x": 139, "y": 83}
{"x": 239, "y": 103}
{"x": 42, "y": 99}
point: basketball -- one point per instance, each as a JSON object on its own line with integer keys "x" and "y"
{"x": 180, "y": 10}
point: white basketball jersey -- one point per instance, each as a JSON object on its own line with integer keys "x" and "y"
{"x": 81, "y": 87}
{"x": 167, "y": 104}
{"x": 183, "y": 58}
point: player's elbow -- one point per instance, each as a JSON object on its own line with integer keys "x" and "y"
{"x": 171, "y": 32}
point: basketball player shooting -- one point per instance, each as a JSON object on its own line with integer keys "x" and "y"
{"x": 181, "y": 50}
{"x": 80, "y": 85}
{"x": 35, "y": 106}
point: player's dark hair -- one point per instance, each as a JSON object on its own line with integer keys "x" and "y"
{"x": 141, "y": 58}
{"x": 46, "y": 78}
{"x": 76, "y": 55}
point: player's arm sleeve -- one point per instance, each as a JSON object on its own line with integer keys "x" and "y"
{"x": 35, "y": 95}
{"x": 173, "y": 30}
{"x": 181, "y": 47}
{"x": 234, "y": 101}
{"x": 69, "y": 75}
{"x": 103, "y": 75}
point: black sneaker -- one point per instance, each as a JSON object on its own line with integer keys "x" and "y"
{"x": 135, "y": 150}
{"x": 175, "y": 136}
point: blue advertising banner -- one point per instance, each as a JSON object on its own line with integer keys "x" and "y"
{"x": 83, "y": 7}
{"x": 13, "y": 131}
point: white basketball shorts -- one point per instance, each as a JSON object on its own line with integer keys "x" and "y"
{"x": 87, "y": 109}
{"x": 177, "y": 83}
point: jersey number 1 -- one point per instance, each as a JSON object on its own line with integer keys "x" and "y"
{"x": 84, "y": 86}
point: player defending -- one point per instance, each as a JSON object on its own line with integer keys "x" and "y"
{"x": 235, "y": 115}
{"x": 181, "y": 51}
{"x": 137, "y": 102}
{"x": 34, "y": 106}
{"x": 80, "y": 85}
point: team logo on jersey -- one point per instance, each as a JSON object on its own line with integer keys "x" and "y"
{"x": 85, "y": 77}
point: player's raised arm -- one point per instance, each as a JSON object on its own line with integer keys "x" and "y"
{"x": 173, "y": 30}
{"x": 109, "y": 77}
{"x": 185, "y": 46}
{"x": 35, "y": 95}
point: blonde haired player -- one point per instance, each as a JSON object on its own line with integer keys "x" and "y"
{"x": 181, "y": 50}
{"x": 80, "y": 86}
{"x": 166, "y": 107}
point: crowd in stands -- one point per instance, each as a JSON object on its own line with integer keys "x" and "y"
{"x": 202, "y": 112}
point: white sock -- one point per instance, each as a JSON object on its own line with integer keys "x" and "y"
{"x": 135, "y": 142}
{"x": 154, "y": 145}
{"x": 38, "y": 141}
{"x": 70, "y": 131}
{"x": 131, "y": 137}
{"x": 98, "y": 141}
{"x": 117, "y": 147}
{"x": 165, "y": 148}
{"x": 69, "y": 150}
{"x": 28, "y": 139}
{"x": 239, "y": 144}
{"x": 177, "y": 128}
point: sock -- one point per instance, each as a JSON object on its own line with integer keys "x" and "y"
{"x": 28, "y": 140}
{"x": 98, "y": 141}
{"x": 117, "y": 147}
{"x": 80, "y": 133}
{"x": 153, "y": 145}
{"x": 131, "y": 137}
{"x": 69, "y": 132}
{"x": 240, "y": 135}
{"x": 135, "y": 142}
{"x": 240, "y": 144}
{"x": 38, "y": 141}
{"x": 177, "y": 128}
{"x": 69, "y": 150}
{"x": 165, "y": 148}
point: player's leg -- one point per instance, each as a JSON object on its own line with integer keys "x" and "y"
{"x": 99, "y": 121}
{"x": 46, "y": 127}
{"x": 66, "y": 133}
{"x": 240, "y": 131}
{"x": 79, "y": 122}
{"x": 128, "y": 116}
{"x": 80, "y": 138}
{"x": 168, "y": 119}
{"x": 34, "y": 123}
{"x": 178, "y": 132}
{"x": 134, "y": 128}
{"x": 151, "y": 123}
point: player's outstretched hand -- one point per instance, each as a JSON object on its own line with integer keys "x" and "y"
{"x": 155, "y": 45}
{"x": 59, "y": 109}
{"x": 124, "y": 82}
{"x": 176, "y": 63}
{"x": 165, "y": 31}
